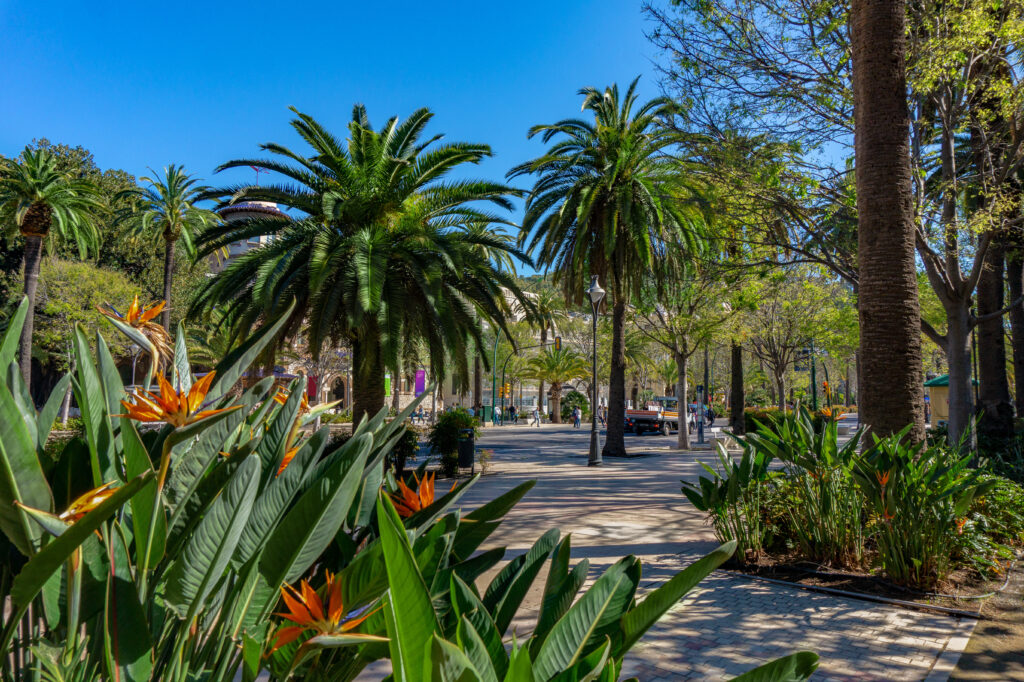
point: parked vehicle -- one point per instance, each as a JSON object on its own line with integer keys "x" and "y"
{"x": 660, "y": 414}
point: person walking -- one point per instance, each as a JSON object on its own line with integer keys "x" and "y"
{"x": 576, "y": 414}
{"x": 536, "y": 417}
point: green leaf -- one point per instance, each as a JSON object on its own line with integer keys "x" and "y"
{"x": 310, "y": 526}
{"x": 640, "y": 619}
{"x": 792, "y": 668}
{"x": 412, "y": 621}
{"x": 126, "y": 632}
{"x": 230, "y": 369}
{"x": 449, "y": 664}
{"x": 467, "y": 605}
{"x": 476, "y": 651}
{"x": 194, "y": 573}
{"x": 560, "y": 590}
{"x": 113, "y": 386}
{"x": 21, "y": 477}
{"x": 275, "y": 439}
{"x": 592, "y": 618}
{"x": 12, "y": 337}
{"x": 50, "y": 558}
{"x": 509, "y": 587}
{"x": 274, "y": 500}
{"x": 520, "y": 667}
{"x": 136, "y": 462}
{"x": 92, "y": 402}
{"x": 47, "y": 415}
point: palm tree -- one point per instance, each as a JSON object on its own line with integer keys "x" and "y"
{"x": 166, "y": 211}
{"x": 891, "y": 384}
{"x": 556, "y": 367}
{"x": 35, "y": 196}
{"x": 602, "y": 206}
{"x": 548, "y": 309}
{"x": 375, "y": 256}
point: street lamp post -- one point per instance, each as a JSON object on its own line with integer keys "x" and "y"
{"x": 596, "y": 294}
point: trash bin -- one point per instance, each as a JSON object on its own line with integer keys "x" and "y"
{"x": 467, "y": 448}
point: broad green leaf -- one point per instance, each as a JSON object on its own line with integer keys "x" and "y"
{"x": 412, "y": 621}
{"x": 136, "y": 462}
{"x": 449, "y": 664}
{"x": 426, "y": 516}
{"x": 640, "y": 619}
{"x": 520, "y": 666}
{"x": 113, "y": 386}
{"x": 47, "y": 415}
{"x": 195, "y": 572}
{"x": 310, "y": 525}
{"x": 467, "y": 605}
{"x": 126, "y": 637}
{"x": 272, "y": 446}
{"x": 92, "y": 402}
{"x": 476, "y": 651}
{"x": 793, "y": 668}
{"x": 21, "y": 477}
{"x": 12, "y": 337}
{"x": 587, "y": 622}
{"x": 273, "y": 501}
{"x": 560, "y": 590}
{"x": 507, "y": 590}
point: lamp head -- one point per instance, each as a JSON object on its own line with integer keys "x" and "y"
{"x": 595, "y": 291}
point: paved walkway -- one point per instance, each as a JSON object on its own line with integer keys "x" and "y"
{"x": 729, "y": 623}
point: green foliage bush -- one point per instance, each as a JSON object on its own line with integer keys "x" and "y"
{"x": 574, "y": 399}
{"x": 443, "y": 437}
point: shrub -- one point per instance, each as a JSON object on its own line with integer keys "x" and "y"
{"x": 918, "y": 494}
{"x": 444, "y": 433}
{"x": 405, "y": 448}
{"x": 734, "y": 496}
{"x": 574, "y": 399}
{"x": 826, "y": 519}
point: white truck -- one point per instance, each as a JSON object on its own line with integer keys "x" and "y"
{"x": 661, "y": 415}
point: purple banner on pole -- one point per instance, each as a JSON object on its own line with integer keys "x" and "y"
{"x": 421, "y": 381}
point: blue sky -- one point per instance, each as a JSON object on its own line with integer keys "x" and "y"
{"x": 147, "y": 84}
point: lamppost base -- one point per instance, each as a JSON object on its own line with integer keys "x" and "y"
{"x": 594, "y": 460}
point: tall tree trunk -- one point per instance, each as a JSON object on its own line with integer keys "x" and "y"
{"x": 846, "y": 391}
{"x": 1015, "y": 279}
{"x": 736, "y": 398}
{"x": 165, "y": 317}
{"x": 892, "y": 392}
{"x": 33, "y": 257}
{"x": 780, "y": 386}
{"x": 478, "y": 385}
{"x": 65, "y": 404}
{"x": 683, "y": 437}
{"x": 540, "y": 386}
{"x": 958, "y": 356}
{"x": 996, "y": 420}
{"x": 556, "y": 403}
{"x": 615, "y": 439}
{"x": 367, "y": 378}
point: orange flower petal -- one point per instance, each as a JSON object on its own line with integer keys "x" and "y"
{"x": 312, "y": 601}
{"x": 335, "y": 608}
{"x": 352, "y": 624}
{"x": 299, "y": 613}
{"x": 287, "y": 636}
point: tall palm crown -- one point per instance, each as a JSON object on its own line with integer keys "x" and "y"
{"x": 35, "y": 196}
{"x": 556, "y": 367}
{"x": 374, "y": 255}
{"x": 609, "y": 201}
{"x": 166, "y": 211}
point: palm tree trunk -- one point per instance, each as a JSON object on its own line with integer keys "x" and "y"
{"x": 615, "y": 435}
{"x": 367, "y": 378}
{"x": 33, "y": 257}
{"x": 1015, "y": 278}
{"x": 556, "y": 403}
{"x": 892, "y": 392}
{"x": 996, "y": 420}
{"x": 736, "y": 399}
{"x": 540, "y": 386}
{"x": 165, "y": 317}
{"x": 683, "y": 434}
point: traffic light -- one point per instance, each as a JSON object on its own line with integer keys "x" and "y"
{"x": 558, "y": 343}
